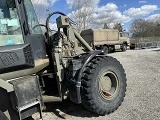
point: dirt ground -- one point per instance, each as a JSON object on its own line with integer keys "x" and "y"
{"x": 142, "y": 101}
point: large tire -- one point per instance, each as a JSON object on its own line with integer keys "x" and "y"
{"x": 113, "y": 49}
{"x": 107, "y": 97}
{"x": 132, "y": 47}
{"x": 105, "y": 49}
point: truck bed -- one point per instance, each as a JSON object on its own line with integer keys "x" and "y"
{"x": 101, "y": 36}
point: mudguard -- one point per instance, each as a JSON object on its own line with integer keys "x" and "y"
{"x": 75, "y": 84}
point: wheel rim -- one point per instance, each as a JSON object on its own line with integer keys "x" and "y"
{"x": 108, "y": 85}
{"x": 105, "y": 48}
{"x": 124, "y": 47}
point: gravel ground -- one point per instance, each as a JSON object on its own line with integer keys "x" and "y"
{"x": 142, "y": 101}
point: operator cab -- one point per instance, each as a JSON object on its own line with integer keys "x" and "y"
{"x": 22, "y": 43}
{"x": 10, "y": 26}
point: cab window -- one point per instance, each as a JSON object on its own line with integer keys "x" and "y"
{"x": 32, "y": 18}
{"x": 10, "y": 29}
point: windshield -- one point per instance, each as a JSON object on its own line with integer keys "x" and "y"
{"x": 124, "y": 34}
{"x": 10, "y": 30}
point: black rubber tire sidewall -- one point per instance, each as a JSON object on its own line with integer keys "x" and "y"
{"x": 101, "y": 106}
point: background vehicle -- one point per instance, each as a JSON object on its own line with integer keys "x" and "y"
{"x": 133, "y": 43}
{"x": 106, "y": 39}
{"x": 37, "y": 68}
{"x": 124, "y": 37}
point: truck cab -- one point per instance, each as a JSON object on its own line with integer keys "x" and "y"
{"x": 124, "y": 37}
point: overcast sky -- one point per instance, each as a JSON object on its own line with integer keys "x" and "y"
{"x": 121, "y": 11}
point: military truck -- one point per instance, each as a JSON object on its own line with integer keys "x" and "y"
{"x": 106, "y": 39}
{"x": 36, "y": 68}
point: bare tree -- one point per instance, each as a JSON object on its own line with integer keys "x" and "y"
{"x": 156, "y": 19}
{"x": 157, "y": 30}
{"x": 142, "y": 28}
{"x": 118, "y": 26}
{"x": 106, "y": 26}
{"x": 82, "y": 12}
{"x": 42, "y": 9}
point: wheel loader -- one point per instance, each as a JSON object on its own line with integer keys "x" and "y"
{"x": 37, "y": 67}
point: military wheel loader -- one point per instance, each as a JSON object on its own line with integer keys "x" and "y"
{"x": 36, "y": 68}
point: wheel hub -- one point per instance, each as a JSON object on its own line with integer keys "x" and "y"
{"x": 108, "y": 84}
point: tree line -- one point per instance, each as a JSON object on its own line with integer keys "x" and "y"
{"x": 145, "y": 28}
{"x": 82, "y": 14}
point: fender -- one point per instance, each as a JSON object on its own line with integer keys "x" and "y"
{"x": 75, "y": 86}
{"x": 86, "y": 60}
